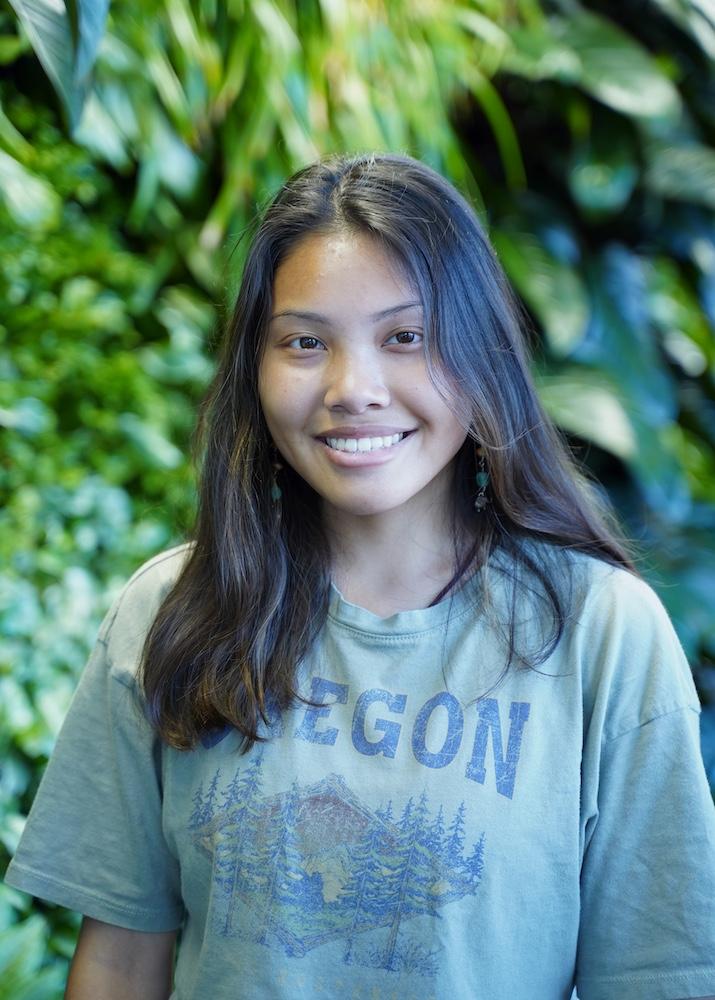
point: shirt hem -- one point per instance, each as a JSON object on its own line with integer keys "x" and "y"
{"x": 90, "y": 904}
{"x": 663, "y": 986}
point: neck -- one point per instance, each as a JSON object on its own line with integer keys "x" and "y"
{"x": 394, "y": 560}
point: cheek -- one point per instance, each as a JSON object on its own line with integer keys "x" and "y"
{"x": 282, "y": 403}
{"x": 445, "y": 418}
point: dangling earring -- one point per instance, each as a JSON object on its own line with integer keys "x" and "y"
{"x": 482, "y": 478}
{"x": 276, "y": 491}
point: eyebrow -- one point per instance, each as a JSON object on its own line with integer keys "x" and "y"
{"x": 315, "y": 317}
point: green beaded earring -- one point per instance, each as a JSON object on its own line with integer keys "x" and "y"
{"x": 482, "y": 479}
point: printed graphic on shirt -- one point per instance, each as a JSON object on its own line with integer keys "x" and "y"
{"x": 434, "y": 737}
{"x": 296, "y": 870}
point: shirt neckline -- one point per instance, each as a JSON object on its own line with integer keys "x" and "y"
{"x": 405, "y": 622}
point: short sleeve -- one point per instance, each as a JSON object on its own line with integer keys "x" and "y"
{"x": 647, "y": 927}
{"x": 93, "y": 840}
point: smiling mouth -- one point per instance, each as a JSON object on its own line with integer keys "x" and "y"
{"x": 352, "y": 446}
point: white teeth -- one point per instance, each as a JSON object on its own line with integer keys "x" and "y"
{"x": 363, "y": 444}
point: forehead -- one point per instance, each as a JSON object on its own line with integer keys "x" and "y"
{"x": 343, "y": 266}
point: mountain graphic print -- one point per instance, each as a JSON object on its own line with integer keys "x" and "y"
{"x": 314, "y": 864}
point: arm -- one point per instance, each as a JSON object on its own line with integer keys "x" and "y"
{"x": 112, "y": 963}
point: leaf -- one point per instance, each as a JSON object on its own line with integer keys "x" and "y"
{"x": 90, "y": 17}
{"x": 152, "y": 444}
{"x": 596, "y": 54}
{"x": 21, "y": 950}
{"x": 11, "y": 46}
{"x": 604, "y": 168}
{"x": 67, "y": 56}
{"x": 696, "y": 17}
{"x": 683, "y": 172}
{"x": 28, "y": 199}
{"x": 675, "y": 311}
{"x": 550, "y": 287}
{"x": 619, "y": 343}
{"x": 619, "y": 340}
{"x": 502, "y": 127}
{"x": 583, "y": 402}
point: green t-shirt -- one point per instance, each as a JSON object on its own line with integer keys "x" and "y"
{"x": 427, "y": 831}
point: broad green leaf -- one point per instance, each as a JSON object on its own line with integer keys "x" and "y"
{"x": 67, "y": 55}
{"x": 550, "y": 287}
{"x": 22, "y": 950}
{"x": 675, "y": 312}
{"x": 13, "y": 140}
{"x": 683, "y": 172}
{"x": 29, "y": 200}
{"x": 44, "y": 985}
{"x": 619, "y": 340}
{"x": 582, "y": 402}
{"x": 90, "y": 17}
{"x": 620, "y": 344}
{"x": 48, "y": 28}
{"x": 593, "y": 52}
{"x": 696, "y": 17}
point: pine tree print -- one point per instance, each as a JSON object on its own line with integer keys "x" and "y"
{"x": 435, "y": 836}
{"x": 231, "y": 794}
{"x": 455, "y": 840}
{"x": 196, "y": 818}
{"x": 405, "y": 823}
{"x": 208, "y": 808}
{"x": 368, "y": 893}
{"x": 415, "y": 877}
{"x": 281, "y": 883}
{"x": 385, "y": 814}
{"x": 284, "y": 861}
{"x": 475, "y": 862}
{"x": 236, "y": 867}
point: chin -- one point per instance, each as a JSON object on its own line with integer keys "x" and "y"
{"x": 364, "y": 506}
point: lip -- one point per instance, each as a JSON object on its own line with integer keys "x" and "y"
{"x": 360, "y": 459}
{"x": 366, "y": 430}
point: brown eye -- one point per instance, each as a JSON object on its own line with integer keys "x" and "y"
{"x": 404, "y": 334}
{"x": 306, "y": 343}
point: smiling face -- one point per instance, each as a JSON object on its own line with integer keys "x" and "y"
{"x": 343, "y": 366}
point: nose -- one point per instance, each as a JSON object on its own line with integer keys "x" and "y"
{"x": 355, "y": 382}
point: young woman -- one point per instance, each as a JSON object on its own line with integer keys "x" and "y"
{"x": 402, "y": 720}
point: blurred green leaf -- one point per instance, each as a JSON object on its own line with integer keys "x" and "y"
{"x": 697, "y": 19}
{"x": 22, "y": 950}
{"x": 686, "y": 173}
{"x": 589, "y": 50}
{"x": 116, "y": 260}
{"x": 66, "y": 48}
{"x": 552, "y": 288}
{"x": 28, "y": 199}
{"x": 583, "y": 403}
{"x": 604, "y": 169}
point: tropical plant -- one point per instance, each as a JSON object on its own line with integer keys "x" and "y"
{"x": 584, "y": 135}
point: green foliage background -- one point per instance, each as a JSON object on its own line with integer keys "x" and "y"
{"x": 584, "y": 135}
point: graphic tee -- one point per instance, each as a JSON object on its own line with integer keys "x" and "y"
{"x": 426, "y": 830}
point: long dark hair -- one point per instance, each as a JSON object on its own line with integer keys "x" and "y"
{"x": 253, "y": 593}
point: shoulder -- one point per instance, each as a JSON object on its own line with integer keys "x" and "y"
{"x": 629, "y": 653}
{"x": 129, "y": 619}
{"x": 612, "y": 598}
{"x": 589, "y": 589}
